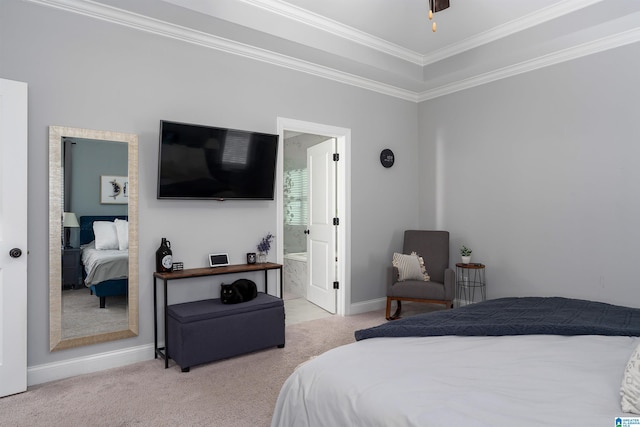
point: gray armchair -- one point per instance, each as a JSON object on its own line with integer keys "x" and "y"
{"x": 433, "y": 247}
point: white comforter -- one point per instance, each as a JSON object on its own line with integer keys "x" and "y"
{"x": 101, "y": 265}
{"x": 531, "y": 380}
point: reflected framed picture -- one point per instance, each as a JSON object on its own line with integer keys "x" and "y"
{"x": 114, "y": 190}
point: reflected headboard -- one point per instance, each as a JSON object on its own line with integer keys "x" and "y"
{"x": 86, "y": 225}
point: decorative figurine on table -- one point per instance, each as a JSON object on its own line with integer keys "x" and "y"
{"x": 164, "y": 258}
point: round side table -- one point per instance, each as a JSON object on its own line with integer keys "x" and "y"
{"x": 469, "y": 278}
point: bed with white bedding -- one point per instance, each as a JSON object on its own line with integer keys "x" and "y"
{"x": 102, "y": 265}
{"x": 486, "y": 377}
{"x": 105, "y": 255}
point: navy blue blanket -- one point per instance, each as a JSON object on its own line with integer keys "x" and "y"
{"x": 516, "y": 316}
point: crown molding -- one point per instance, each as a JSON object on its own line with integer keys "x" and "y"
{"x": 162, "y": 28}
{"x": 536, "y": 18}
{"x": 305, "y": 17}
{"x": 165, "y": 29}
{"x": 330, "y": 26}
{"x": 574, "y": 52}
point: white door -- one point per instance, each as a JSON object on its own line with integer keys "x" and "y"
{"x": 13, "y": 237}
{"x": 321, "y": 240}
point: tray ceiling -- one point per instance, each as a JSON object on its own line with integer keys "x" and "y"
{"x": 387, "y": 45}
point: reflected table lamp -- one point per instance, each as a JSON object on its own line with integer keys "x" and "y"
{"x": 69, "y": 221}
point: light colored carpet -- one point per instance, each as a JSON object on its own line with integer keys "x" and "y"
{"x": 82, "y": 315}
{"x": 300, "y": 310}
{"x": 240, "y": 391}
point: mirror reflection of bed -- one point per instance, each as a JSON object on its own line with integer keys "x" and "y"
{"x": 93, "y": 273}
{"x": 104, "y": 243}
{"x": 99, "y": 304}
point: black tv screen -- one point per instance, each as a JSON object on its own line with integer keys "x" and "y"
{"x": 205, "y": 162}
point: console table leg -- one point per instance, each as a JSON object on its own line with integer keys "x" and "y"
{"x": 166, "y": 331}
{"x": 155, "y": 320}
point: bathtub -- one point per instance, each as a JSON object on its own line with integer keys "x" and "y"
{"x": 296, "y": 256}
{"x": 295, "y": 275}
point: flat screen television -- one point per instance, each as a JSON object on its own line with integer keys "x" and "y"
{"x": 205, "y": 162}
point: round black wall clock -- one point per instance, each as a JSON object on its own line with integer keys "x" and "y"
{"x": 387, "y": 158}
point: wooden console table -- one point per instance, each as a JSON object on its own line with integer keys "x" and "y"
{"x": 200, "y": 272}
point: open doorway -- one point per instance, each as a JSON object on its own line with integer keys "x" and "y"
{"x": 313, "y": 218}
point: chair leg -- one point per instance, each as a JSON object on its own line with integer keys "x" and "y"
{"x": 388, "y": 309}
{"x": 396, "y": 315}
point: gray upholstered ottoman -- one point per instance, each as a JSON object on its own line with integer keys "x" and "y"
{"x": 205, "y": 331}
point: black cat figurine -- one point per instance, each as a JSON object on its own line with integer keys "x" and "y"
{"x": 242, "y": 290}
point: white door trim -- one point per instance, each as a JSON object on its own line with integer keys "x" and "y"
{"x": 13, "y": 270}
{"x": 343, "y": 140}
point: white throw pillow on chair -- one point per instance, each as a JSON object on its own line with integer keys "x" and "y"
{"x": 410, "y": 267}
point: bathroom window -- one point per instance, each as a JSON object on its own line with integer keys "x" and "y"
{"x": 296, "y": 211}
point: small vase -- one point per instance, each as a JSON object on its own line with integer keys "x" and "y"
{"x": 262, "y": 257}
{"x": 466, "y": 260}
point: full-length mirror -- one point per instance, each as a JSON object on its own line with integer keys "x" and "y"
{"x": 93, "y": 236}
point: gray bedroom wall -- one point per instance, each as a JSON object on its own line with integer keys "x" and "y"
{"x": 92, "y": 74}
{"x": 538, "y": 174}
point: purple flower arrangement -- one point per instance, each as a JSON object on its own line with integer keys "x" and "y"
{"x": 265, "y": 243}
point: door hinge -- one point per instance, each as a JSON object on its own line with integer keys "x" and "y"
{"x": 336, "y": 285}
{"x": 336, "y": 157}
{"x": 336, "y": 221}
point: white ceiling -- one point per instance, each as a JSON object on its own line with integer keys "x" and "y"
{"x": 387, "y": 45}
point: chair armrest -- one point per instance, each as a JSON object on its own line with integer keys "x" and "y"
{"x": 449, "y": 284}
{"x": 392, "y": 276}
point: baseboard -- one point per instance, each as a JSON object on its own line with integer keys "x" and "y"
{"x": 84, "y": 365}
{"x": 366, "y": 306}
{"x": 99, "y": 362}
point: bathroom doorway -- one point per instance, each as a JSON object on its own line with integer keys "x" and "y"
{"x": 313, "y": 264}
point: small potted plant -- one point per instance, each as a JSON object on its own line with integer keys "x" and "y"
{"x": 466, "y": 254}
{"x": 264, "y": 247}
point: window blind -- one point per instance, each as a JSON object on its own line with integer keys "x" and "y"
{"x": 296, "y": 197}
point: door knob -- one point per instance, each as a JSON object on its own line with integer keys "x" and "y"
{"x": 306, "y": 231}
{"x": 15, "y": 253}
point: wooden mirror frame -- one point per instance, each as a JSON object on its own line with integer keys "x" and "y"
{"x": 56, "y": 133}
